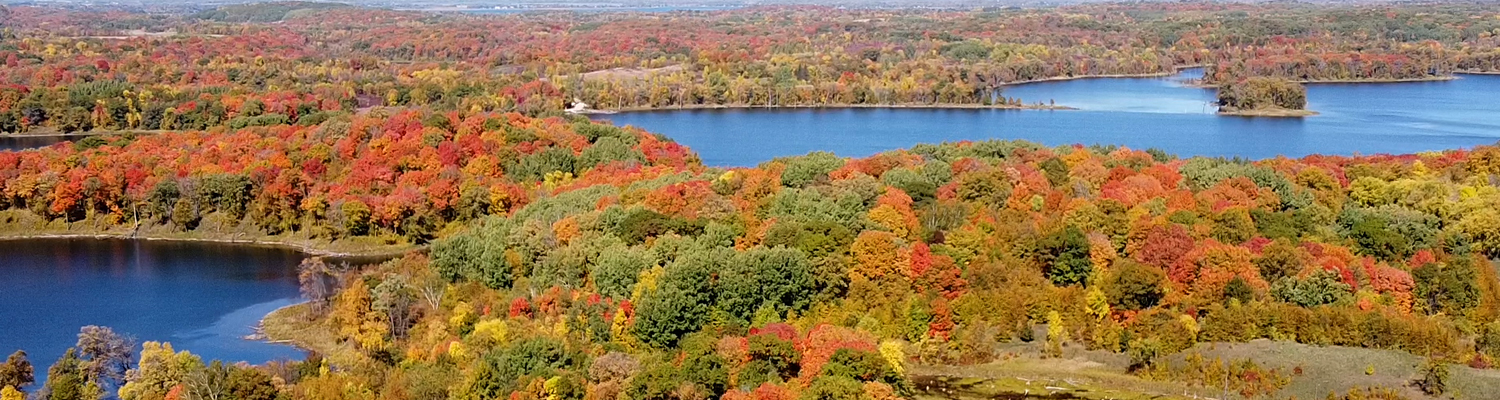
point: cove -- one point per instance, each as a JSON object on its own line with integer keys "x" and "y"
{"x": 23, "y": 142}
{"x": 201, "y": 297}
{"x": 1366, "y": 118}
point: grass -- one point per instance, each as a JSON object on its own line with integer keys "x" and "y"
{"x": 295, "y": 325}
{"x": 1324, "y": 369}
{"x": 1023, "y": 374}
{"x": 1328, "y": 369}
{"x": 1082, "y": 374}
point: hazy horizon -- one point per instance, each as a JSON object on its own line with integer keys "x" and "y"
{"x": 459, "y": 5}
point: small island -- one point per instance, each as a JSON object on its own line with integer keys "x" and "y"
{"x": 1263, "y": 97}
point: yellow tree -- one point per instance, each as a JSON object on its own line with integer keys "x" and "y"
{"x": 159, "y": 370}
{"x": 1056, "y": 334}
{"x": 878, "y": 255}
{"x": 355, "y": 320}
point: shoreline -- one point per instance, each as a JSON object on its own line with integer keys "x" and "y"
{"x": 935, "y": 106}
{"x": 1082, "y": 77}
{"x": 294, "y": 325}
{"x": 47, "y": 135}
{"x": 1175, "y": 70}
{"x": 53, "y": 133}
{"x": 258, "y": 332}
{"x": 1442, "y": 78}
{"x": 828, "y": 106}
{"x": 1269, "y": 113}
{"x": 307, "y": 249}
{"x": 1438, "y": 78}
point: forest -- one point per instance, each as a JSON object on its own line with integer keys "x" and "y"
{"x": 303, "y": 63}
{"x": 585, "y": 261}
{"x": 563, "y": 259}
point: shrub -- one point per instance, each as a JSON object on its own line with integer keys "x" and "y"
{"x": 1320, "y": 288}
{"x": 1434, "y": 380}
{"x": 1134, "y": 286}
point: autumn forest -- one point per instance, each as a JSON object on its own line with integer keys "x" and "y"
{"x": 532, "y": 253}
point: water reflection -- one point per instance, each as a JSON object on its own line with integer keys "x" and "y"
{"x": 203, "y": 297}
{"x": 1135, "y": 112}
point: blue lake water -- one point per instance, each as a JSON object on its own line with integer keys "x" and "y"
{"x": 201, "y": 297}
{"x": 1135, "y": 112}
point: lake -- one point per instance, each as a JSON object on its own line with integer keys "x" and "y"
{"x": 1136, "y": 112}
{"x": 8, "y": 142}
{"x": 201, "y": 297}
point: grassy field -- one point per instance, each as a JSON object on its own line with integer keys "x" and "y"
{"x": 1023, "y": 374}
{"x": 1081, "y": 374}
{"x": 293, "y": 325}
{"x": 1338, "y": 369}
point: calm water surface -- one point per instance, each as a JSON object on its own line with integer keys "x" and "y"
{"x": 201, "y": 297}
{"x": 8, "y": 142}
{"x": 1135, "y": 112}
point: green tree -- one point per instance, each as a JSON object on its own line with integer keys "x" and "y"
{"x": 75, "y": 119}
{"x": 919, "y": 186}
{"x": 477, "y": 254}
{"x": 1320, "y": 288}
{"x": 814, "y": 167}
{"x": 1233, "y": 226}
{"x": 67, "y": 379}
{"x": 1238, "y": 289}
{"x": 161, "y": 199}
{"x": 862, "y": 366}
{"x": 9, "y": 122}
{"x": 685, "y": 295}
{"x": 185, "y": 214}
{"x": 832, "y": 388}
{"x": 502, "y": 370}
{"x": 226, "y": 193}
{"x": 535, "y": 166}
{"x": 1281, "y": 259}
{"x": 1065, "y": 255}
{"x": 780, "y": 278}
{"x": 817, "y": 238}
{"x": 617, "y": 269}
{"x": 1135, "y": 286}
{"x": 780, "y": 357}
{"x": 356, "y": 218}
{"x": 657, "y": 380}
{"x": 703, "y": 366}
{"x": 1447, "y": 287}
{"x": 608, "y": 150}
